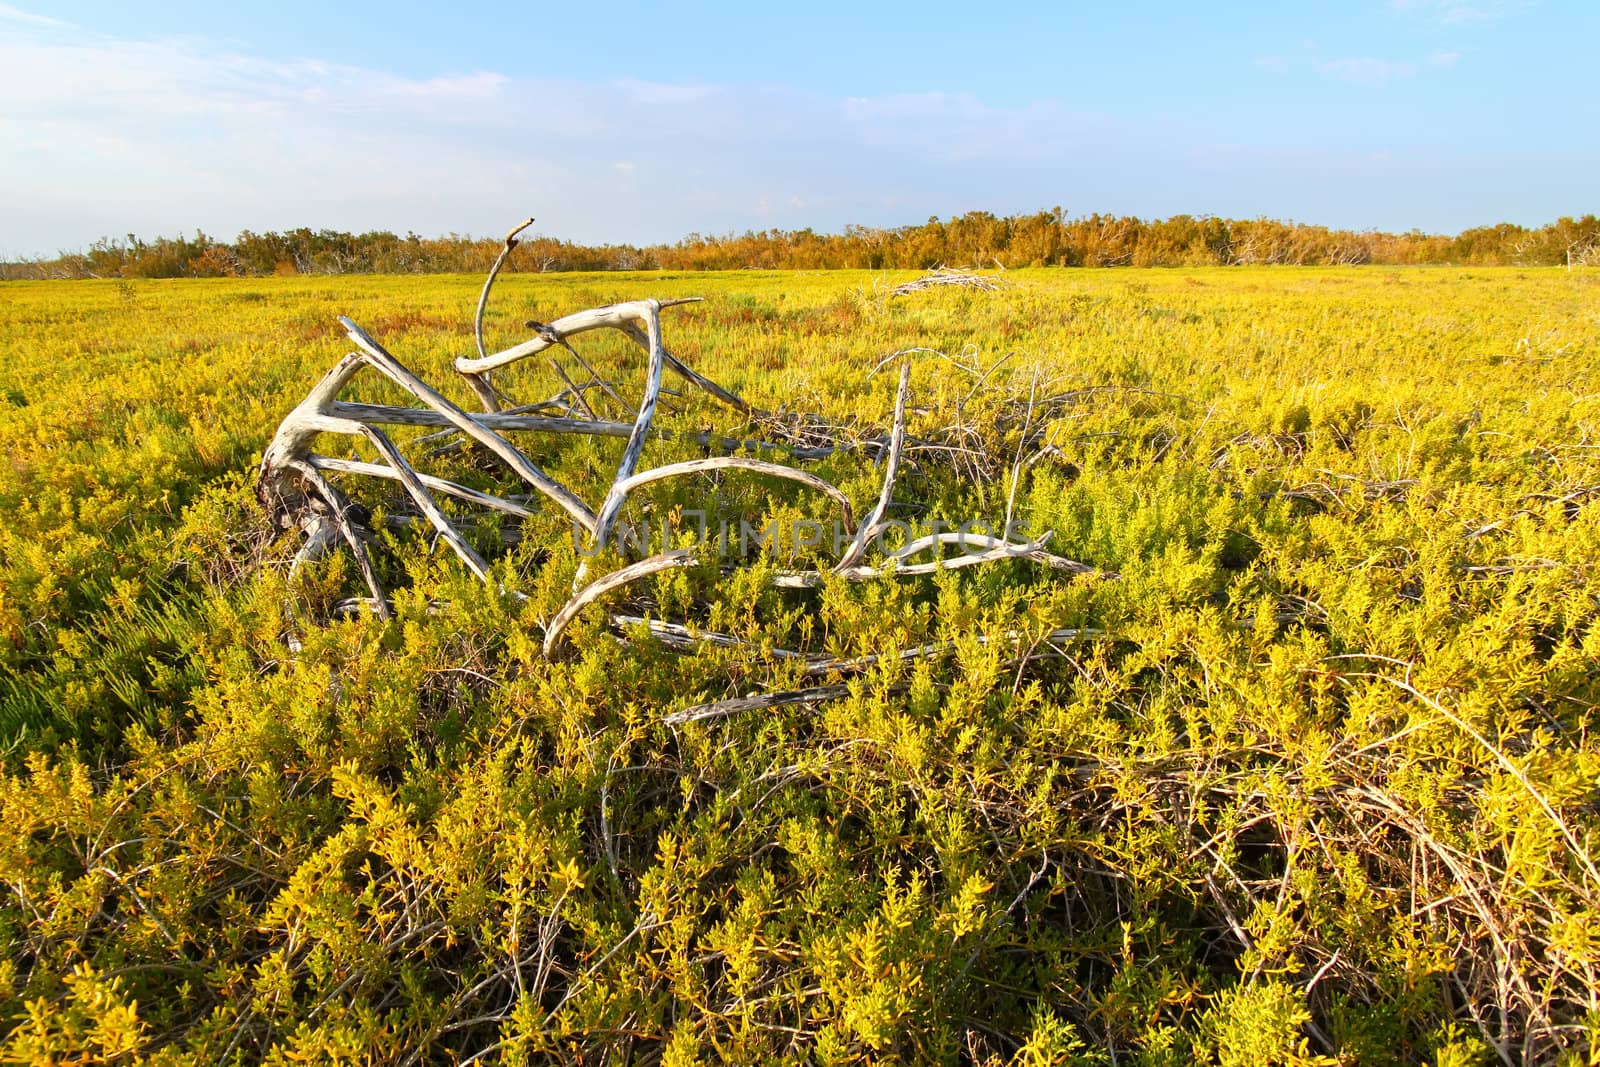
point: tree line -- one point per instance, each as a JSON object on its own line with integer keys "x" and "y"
{"x": 976, "y": 239}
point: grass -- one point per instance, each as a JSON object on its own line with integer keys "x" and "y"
{"x": 1316, "y": 783}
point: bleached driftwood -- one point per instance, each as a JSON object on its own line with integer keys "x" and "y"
{"x": 601, "y": 586}
{"x": 944, "y": 277}
{"x": 296, "y": 488}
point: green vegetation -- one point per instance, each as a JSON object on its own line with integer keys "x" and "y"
{"x": 1315, "y": 785}
{"x": 1043, "y": 239}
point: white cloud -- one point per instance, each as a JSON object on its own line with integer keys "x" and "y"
{"x": 12, "y": 14}
{"x": 658, "y": 93}
{"x": 106, "y": 136}
{"x": 1365, "y": 70}
{"x": 1459, "y": 12}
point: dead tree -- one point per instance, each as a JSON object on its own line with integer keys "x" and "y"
{"x": 300, "y": 487}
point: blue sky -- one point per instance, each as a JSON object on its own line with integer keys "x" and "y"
{"x": 623, "y": 122}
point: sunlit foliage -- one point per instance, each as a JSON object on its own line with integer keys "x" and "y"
{"x": 1043, "y": 239}
{"x": 1317, "y": 785}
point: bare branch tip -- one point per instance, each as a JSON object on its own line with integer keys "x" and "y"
{"x": 511, "y": 235}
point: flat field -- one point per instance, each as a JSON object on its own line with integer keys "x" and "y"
{"x": 1312, "y": 778}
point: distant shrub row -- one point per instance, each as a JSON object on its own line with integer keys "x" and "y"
{"x": 1047, "y": 238}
